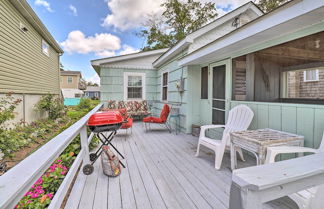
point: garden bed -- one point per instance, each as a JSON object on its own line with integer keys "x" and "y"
{"x": 20, "y": 142}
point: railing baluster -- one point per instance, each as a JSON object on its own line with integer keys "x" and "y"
{"x": 85, "y": 145}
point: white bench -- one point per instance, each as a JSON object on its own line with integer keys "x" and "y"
{"x": 253, "y": 186}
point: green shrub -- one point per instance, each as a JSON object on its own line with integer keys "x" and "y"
{"x": 85, "y": 104}
{"x": 7, "y": 106}
{"x": 53, "y": 106}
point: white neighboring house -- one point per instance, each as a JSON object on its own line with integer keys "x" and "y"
{"x": 72, "y": 93}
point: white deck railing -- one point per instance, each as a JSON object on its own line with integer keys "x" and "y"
{"x": 19, "y": 179}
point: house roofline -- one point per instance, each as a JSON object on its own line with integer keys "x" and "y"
{"x": 28, "y": 13}
{"x": 189, "y": 58}
{"x": 97, "y": 62}
{"x": 184, "y": 43}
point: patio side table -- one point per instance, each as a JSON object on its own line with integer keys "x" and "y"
{"x": 257, "y": 141}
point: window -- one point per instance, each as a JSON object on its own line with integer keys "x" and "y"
{"x": 204, "y": 83}
{"x": 134, "y": 86}
{"x": 165, "y": 86}
{"x": 310, "y": 75}
{"x": 70, "y": 79}
{"x": 45, "y": 48}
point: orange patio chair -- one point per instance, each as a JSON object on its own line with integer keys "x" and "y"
{"x": 159, "y": 120}
{"x": 129, "y": 124}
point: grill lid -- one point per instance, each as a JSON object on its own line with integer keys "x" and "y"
{"x": 105, "y": 118}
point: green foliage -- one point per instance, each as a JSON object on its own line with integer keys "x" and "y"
{"x": 7, "y": 106}
{"x": 178, "y": 20}
{"x": 52, "y": 105}
{"x": 269, "y": 5}
{"x": 85, "y": 104}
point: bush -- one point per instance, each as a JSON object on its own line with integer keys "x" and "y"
{"x": 53, "y": 106}
{"x": 85, "y": 104}
{"x": 7, "y": 106}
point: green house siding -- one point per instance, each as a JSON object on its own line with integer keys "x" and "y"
{"x": 306, "y": 120}
{"x": 112, "y": 83}
{"x": 23, "y": 66}
{"x": 175, "y": 98}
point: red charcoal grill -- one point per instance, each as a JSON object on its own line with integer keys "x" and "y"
{"x": 107, "y": 121}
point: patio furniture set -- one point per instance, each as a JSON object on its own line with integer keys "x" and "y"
{"x": 104, "y": 125}
{"x": 265, "y": 145}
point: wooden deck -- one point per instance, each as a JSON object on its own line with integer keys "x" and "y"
{"x": 161, "y": 172}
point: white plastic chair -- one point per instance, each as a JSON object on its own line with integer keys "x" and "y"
{"x": 306, "y": 199}
{"x": 239, "y": 119}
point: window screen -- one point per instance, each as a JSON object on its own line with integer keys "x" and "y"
{"x": 134, "y": 87}
{"x": 204, "y": 83}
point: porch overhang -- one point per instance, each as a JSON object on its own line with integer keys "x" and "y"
{"x": 257, "y": 34}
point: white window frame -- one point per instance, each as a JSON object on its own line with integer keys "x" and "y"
{"x": 126, "y": 74}
{"x": 165, "y": 71}
{"x": 316, "y": 76}
{"x": 68, "y": 79}
{"x": 43, "y": 50}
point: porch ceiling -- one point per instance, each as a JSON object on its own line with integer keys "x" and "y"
{"x": 254, "y": 35}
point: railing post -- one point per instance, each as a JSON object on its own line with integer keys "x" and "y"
{"x": 85, "y": 144}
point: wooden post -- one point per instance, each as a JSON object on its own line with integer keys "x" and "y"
{"x": 85, "y": 144}
{"x": 250, "y": 76}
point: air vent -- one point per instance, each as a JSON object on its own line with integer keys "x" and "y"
{"x": 23, "y": 28}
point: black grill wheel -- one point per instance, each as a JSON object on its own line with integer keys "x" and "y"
{"x": 93, "y": 157}
{"x": 88, "y": 169}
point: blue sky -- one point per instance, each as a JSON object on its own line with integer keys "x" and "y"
{"x": 92, "y": 29}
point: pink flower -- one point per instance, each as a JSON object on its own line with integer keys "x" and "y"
{"x": 35, "y": 195}
{"x": 59, "y": 161}
{"x": 39, "y": 181}
{"x": 50, "y": 195}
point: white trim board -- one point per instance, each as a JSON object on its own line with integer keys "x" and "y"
{"x": 161, "y": 87}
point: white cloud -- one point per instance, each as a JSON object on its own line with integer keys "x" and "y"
{"x": 128, "y": 14}
{"x": 128, "y": 50}
{"x": 101, "y": 43}
{"x": 94, "y": 79}
{"x": 106, "y": 53}
{"x": 73, "y": 10}
{"x": 44, "y": 4}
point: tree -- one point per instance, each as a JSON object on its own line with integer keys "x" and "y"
{"x": 269, "y": 5}
{"x": 178, "y": 19}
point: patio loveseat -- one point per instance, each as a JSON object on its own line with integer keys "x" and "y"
{"x": 136, "y": 109}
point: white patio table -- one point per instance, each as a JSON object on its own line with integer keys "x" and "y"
{"x": 257, "y": 141}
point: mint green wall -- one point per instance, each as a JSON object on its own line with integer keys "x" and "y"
{"x": 175, "y": 98}
{"x": 302, "y": 119}
{"x": 112, "y": 79}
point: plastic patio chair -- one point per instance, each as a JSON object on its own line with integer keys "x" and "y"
{"x": 239, "y": 119}
{"x": 159, "y": 120}
{"x": 309, "y": 198}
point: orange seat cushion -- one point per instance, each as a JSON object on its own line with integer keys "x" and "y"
{"x": 127, "y": 125}
{"x": 152, "y": 120}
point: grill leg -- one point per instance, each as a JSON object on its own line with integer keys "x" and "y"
{"x": 109, "y": 142}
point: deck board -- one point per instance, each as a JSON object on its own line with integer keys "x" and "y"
{"x": 161, "y": 172}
